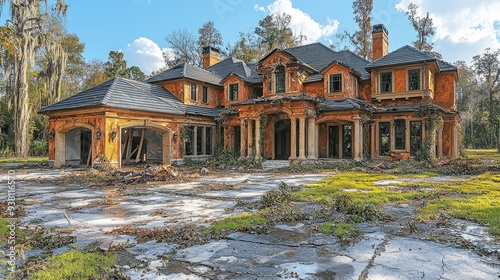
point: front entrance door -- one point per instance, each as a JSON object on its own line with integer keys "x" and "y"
{"x": 282, "y": 140}
{"x": 333, "y": 141}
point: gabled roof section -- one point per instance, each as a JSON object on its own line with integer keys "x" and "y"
{"x": 445, "y": 66}
{"x": 128, "y": 94}
{"x": 319, "y": 57}
{"x": 402, "y": 56}
{"x": 238, "y": 67}
{"x": 186, "y": 70}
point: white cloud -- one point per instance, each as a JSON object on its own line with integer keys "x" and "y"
{"x": 465, "y": 26}
{"x": 301, "y": 23}
{"x": 145, "y": 54}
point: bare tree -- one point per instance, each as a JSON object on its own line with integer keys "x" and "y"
{"x": 184, "y": 45}
{"x": 425, "y": 29}
{"x": 361, "y": 38}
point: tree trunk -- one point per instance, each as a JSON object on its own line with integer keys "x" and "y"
{"x": 22, "y": 104}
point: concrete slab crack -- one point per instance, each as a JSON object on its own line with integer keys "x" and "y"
{"x": 378, "y": 250}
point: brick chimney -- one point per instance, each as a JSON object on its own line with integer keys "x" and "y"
{"x": 380, "y": 41}
{"x": 210, "y": 56}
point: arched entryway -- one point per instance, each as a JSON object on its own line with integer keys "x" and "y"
{"x": 78, "y": 147}
{"x": 282, "y": 136}
{"x": 144, "y": 144}
{"x": 73, "y": 145}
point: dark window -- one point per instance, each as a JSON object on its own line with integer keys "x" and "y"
{"x": 204, "y": 96}
{"x": 257, "y": 92}
{"x": 208, "y": 140}
{"x": 199, "y": 141}
{"x": 400, "y": 134}
{"x": 414, "y": 79}
{"x": 270, "y": 86}
{"x": 347, "y": 141}
{"x": 336, "y": 83}
{"x": 189, "y": 141}
{"x": 386, "y": 82}
{"x": 384, "y": 139}
{"x": 194, "y": 87}
{"x": 415, "y": 137}
{"x": 237, "y": 140}
{"x": 233, "y": 92}
{"x": 279, "y": 72}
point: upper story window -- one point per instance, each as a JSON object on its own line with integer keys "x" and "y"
{"x": 386, "y": 82}
{"x": 194, "y": 95}
{"x": 233, "y": 92}
{"x": 279, "y": 73}
{"x": 204, "y": 95}
{"x": 414, "y": 79}
{"x": 335, "y": 83}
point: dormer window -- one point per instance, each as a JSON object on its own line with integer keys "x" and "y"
{"x": 386, "y": 82}
{"x": 335, "y": 83}
{"x": 194, "y": 94}
{"x": 414, "y": 79}
{"x": 233, "y": 92}
{"x": 279, "y": 73}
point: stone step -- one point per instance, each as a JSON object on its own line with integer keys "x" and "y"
{"x": 273, "y": 164}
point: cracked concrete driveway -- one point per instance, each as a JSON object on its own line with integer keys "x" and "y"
{"x": 288, "y": 251}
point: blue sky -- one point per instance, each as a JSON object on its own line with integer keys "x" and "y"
{"x": 138, "y": 28}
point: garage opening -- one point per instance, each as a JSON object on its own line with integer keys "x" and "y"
{"x": 78, "y": 142}
{"x": 141, "y": 145}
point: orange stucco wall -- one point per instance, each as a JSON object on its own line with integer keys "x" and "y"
{"x": 444, "y": 95}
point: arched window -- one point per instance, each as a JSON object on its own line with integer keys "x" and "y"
{"x": 279, "y": 73}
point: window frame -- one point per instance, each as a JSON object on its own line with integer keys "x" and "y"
{"x": 198, "y": 141}
{"x": 419, "y": 86}
{"x": 330, "y": 83}
{"x": 390, "y": 83}
{"x": 204, "y": 95}
{"x": 193, "y": 96}
{"x": 401, "y": 145}
{"x": 280, "y": 78}
{"x": 230, "y": 94}
{"x": 386, "y": 124}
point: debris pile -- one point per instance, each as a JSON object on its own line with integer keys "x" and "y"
{"x": 148, "y": 174}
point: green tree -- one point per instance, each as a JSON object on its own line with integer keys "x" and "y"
{"x": 209, "y": 36}
{"x": 26, "y": 20}
{"x": 424, "y": 27}
{"x": 135, "y": 73}
{"x": 487, "y": 67}
{"x": 116, "y": 66}
{"x": 246, "y": 48}
{"x": 274, "y": 32}
{"x": 361, "y": 38}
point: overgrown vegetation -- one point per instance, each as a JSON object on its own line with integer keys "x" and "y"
{"x": 342, "y": 230}
{"x": 74, "y": 264}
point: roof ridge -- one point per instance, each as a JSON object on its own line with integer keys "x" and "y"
{"x": 110, "y": 90}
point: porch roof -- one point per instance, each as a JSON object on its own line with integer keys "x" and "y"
{"x": 345, "y": 104}
{"x": 279, "y": 97}
{"x": 413, "y": 108}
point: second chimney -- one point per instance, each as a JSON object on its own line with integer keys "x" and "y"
{"x": 380, "y": 41}
{"x": 210, "y": 56}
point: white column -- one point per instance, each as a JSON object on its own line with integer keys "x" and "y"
{"x": 311, "y": 138}
{"x": 257, "y": 139}
{"x": 250, "y": 139}
{"x": 440, "y": 143}
{"x": 293, "y": 138}
{"x": 302, "y": 138}
{"x": 454, "y": 144}
{"x": 316, "y": 140}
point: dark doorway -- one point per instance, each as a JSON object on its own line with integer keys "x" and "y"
{"x": 282, "y": 140}
{"x": 78, "y": 145}
{"x": 237, "y": 140}
{"x": 333, "y": 141}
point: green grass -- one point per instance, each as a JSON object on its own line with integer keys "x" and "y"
{"x": 490, "y": 154}
{"x": 75, "y": 265}
{"x": 24, "y": 160}
{"x": 5, "y": 231}
{"x": 476, "y": 198}
{"x": 341, "y": 230}
{"x": 242, "y": 222}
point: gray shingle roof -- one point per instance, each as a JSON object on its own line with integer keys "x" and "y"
{"x": 185, "y": 70}
{"x": 445, "y": 66}
{"x": 344, "y": 104}
{"x": 319, "y": 56}
{"x": 238, "y": 67}
{"x": 401, "y": 56}
{"x": 281, "y": 97}
{"x": 128, "y": 94}
{"x": 411, "y": 108}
